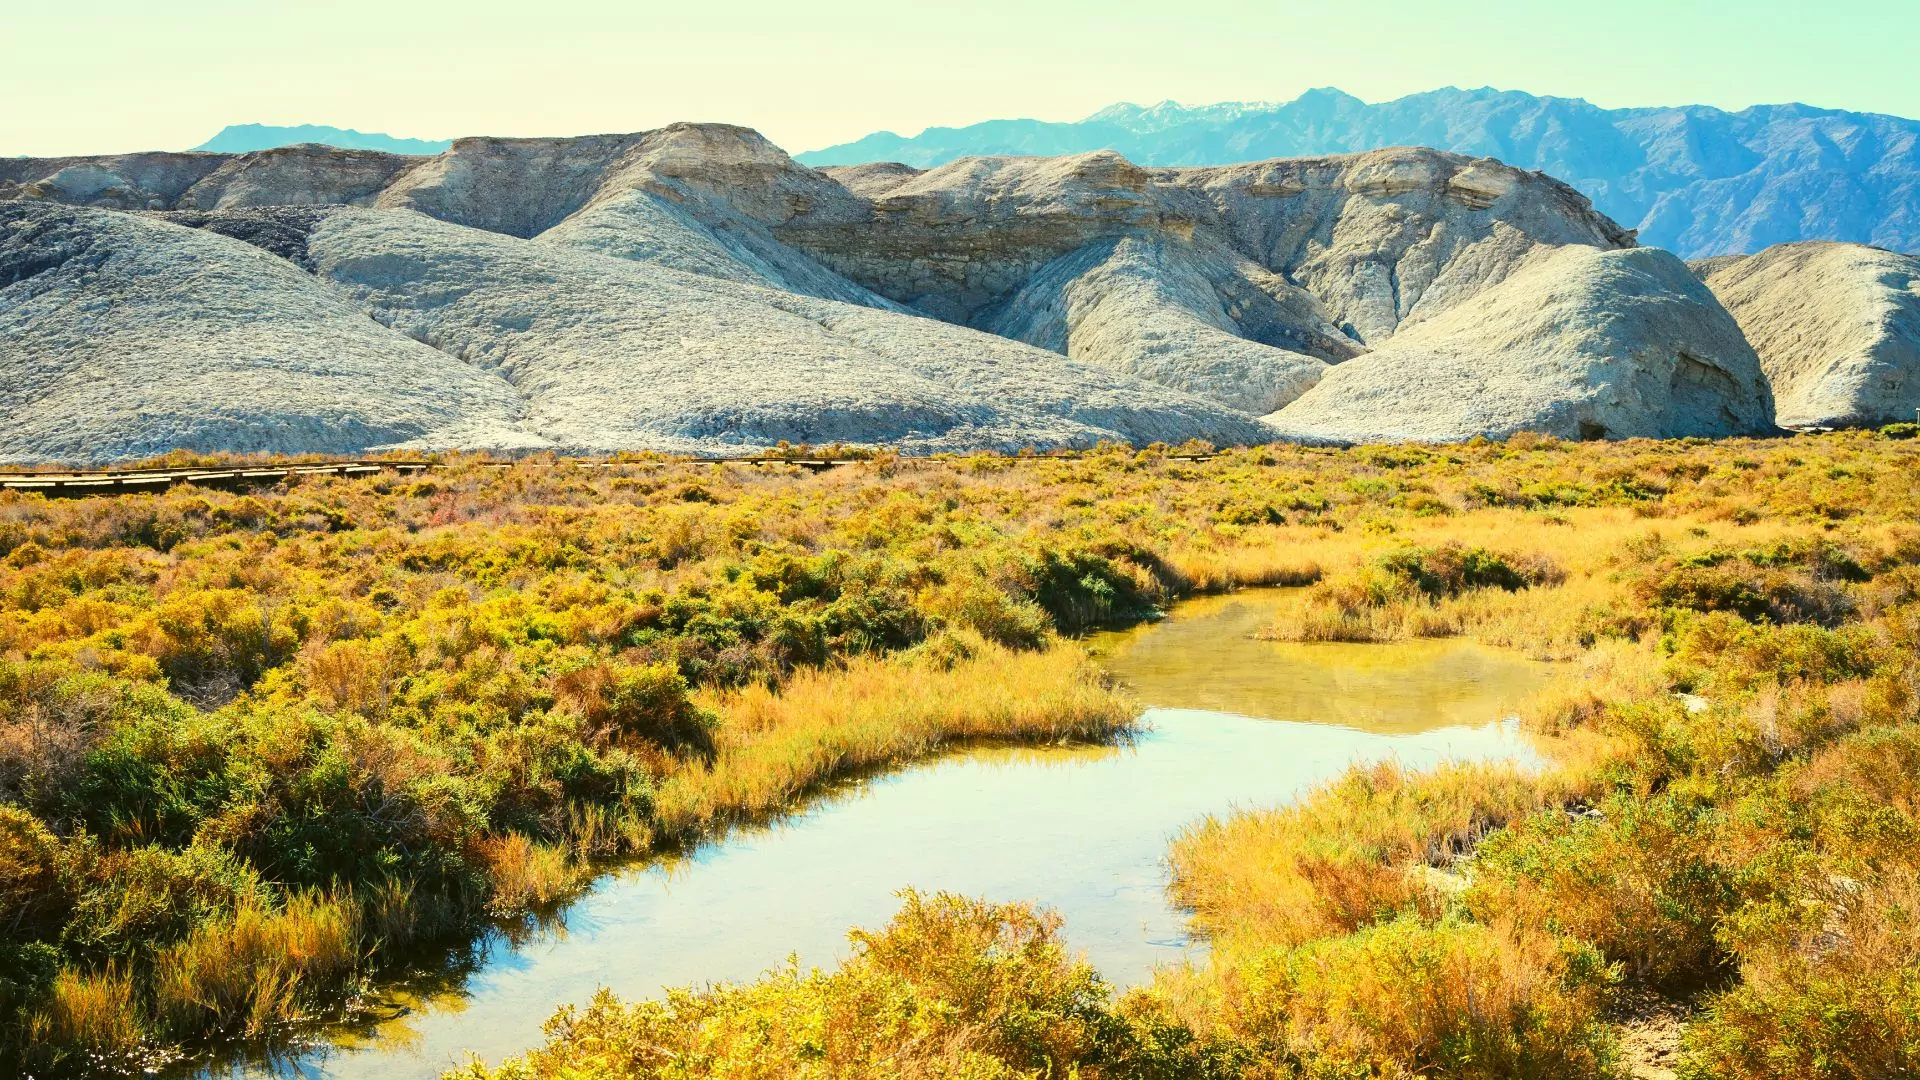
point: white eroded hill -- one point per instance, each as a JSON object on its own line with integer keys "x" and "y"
{"x": 1837, "y": 327}
{"x": 693, "y": 288}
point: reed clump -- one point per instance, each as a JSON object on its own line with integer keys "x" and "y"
{"x": 97, "y": 1011}
{"x": 242, "y": 972}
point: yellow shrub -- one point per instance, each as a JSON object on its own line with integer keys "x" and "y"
{"x": 1351, "y": 853}
{"x": 952, "y": 988}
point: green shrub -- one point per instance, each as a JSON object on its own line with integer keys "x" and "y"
{"x": 143, "y": 898}
{"x": 1408, "y": 998}
{"x": 31, "y": 869}
{"x": 1835, "y": 996}
{"x": 1452, "y": 569}
{"x": 1742, "y": 654}
{"x": 154, "y": 777}
{"x": 1081, "y": 588}
{"x": 27, "y": 972}
{"x": 992, "y": 612}
{"x": 1754, "y": 594}
{"x": 648, "y": 702}
{"x": 1642, "y": 881}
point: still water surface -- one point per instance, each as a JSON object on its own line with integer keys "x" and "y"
{"x": 1232, "y": 721}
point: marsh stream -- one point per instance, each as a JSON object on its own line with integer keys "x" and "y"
{"x": 1231, "y": 721}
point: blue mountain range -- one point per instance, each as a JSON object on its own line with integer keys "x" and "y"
{"x": 1699, "y": 181}
{"x": 245, "y": 138}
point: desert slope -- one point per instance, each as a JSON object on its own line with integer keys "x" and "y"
{"x": 1837, "y": 327}
{"x": 612, "y": 354}
{"x": 123, "y": 337}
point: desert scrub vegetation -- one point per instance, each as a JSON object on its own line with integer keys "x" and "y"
{"x": 253, "y": 746}
{"x": 307, "y": 726}
{"x": 1726, "y": 819}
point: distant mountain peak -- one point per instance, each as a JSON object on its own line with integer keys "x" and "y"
{"x": 246, "y": 138}
{"x": 1328, "y": 93}
{"x": 1695, "y": 179}
{"x": 1170, "y": 113}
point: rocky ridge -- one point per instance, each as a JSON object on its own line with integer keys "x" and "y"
{"x": 694, "y": 288}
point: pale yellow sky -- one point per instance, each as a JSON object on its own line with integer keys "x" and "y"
{"x": 113, "y": 75}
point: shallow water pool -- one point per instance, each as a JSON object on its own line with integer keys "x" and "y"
{"x": 1232, "y": 721}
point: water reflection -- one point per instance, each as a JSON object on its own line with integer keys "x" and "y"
{"x": 1206, "y": 656}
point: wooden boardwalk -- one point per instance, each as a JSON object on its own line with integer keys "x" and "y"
{"x": 127, "y": 481}
{"x": 121, "y": 481}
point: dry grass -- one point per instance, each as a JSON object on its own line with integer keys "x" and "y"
{"x": 527, "y": 875}
{"x": 1355, "y": 852}
{"x": 774, "y": 746}
{"x": 1270, "y": 558}
{"x": 243, "y": 972}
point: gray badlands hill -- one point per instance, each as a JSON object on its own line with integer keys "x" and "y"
{"x": 1592, "y": 344}
{"x": 1240, "y": 283}
{"x": 1837, "y": 327}
{"x": 694, "y": 288}
{"x": 1696, "y": 180}
{"x": 124, "y": 337}
{"x": 612, "y": 354}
